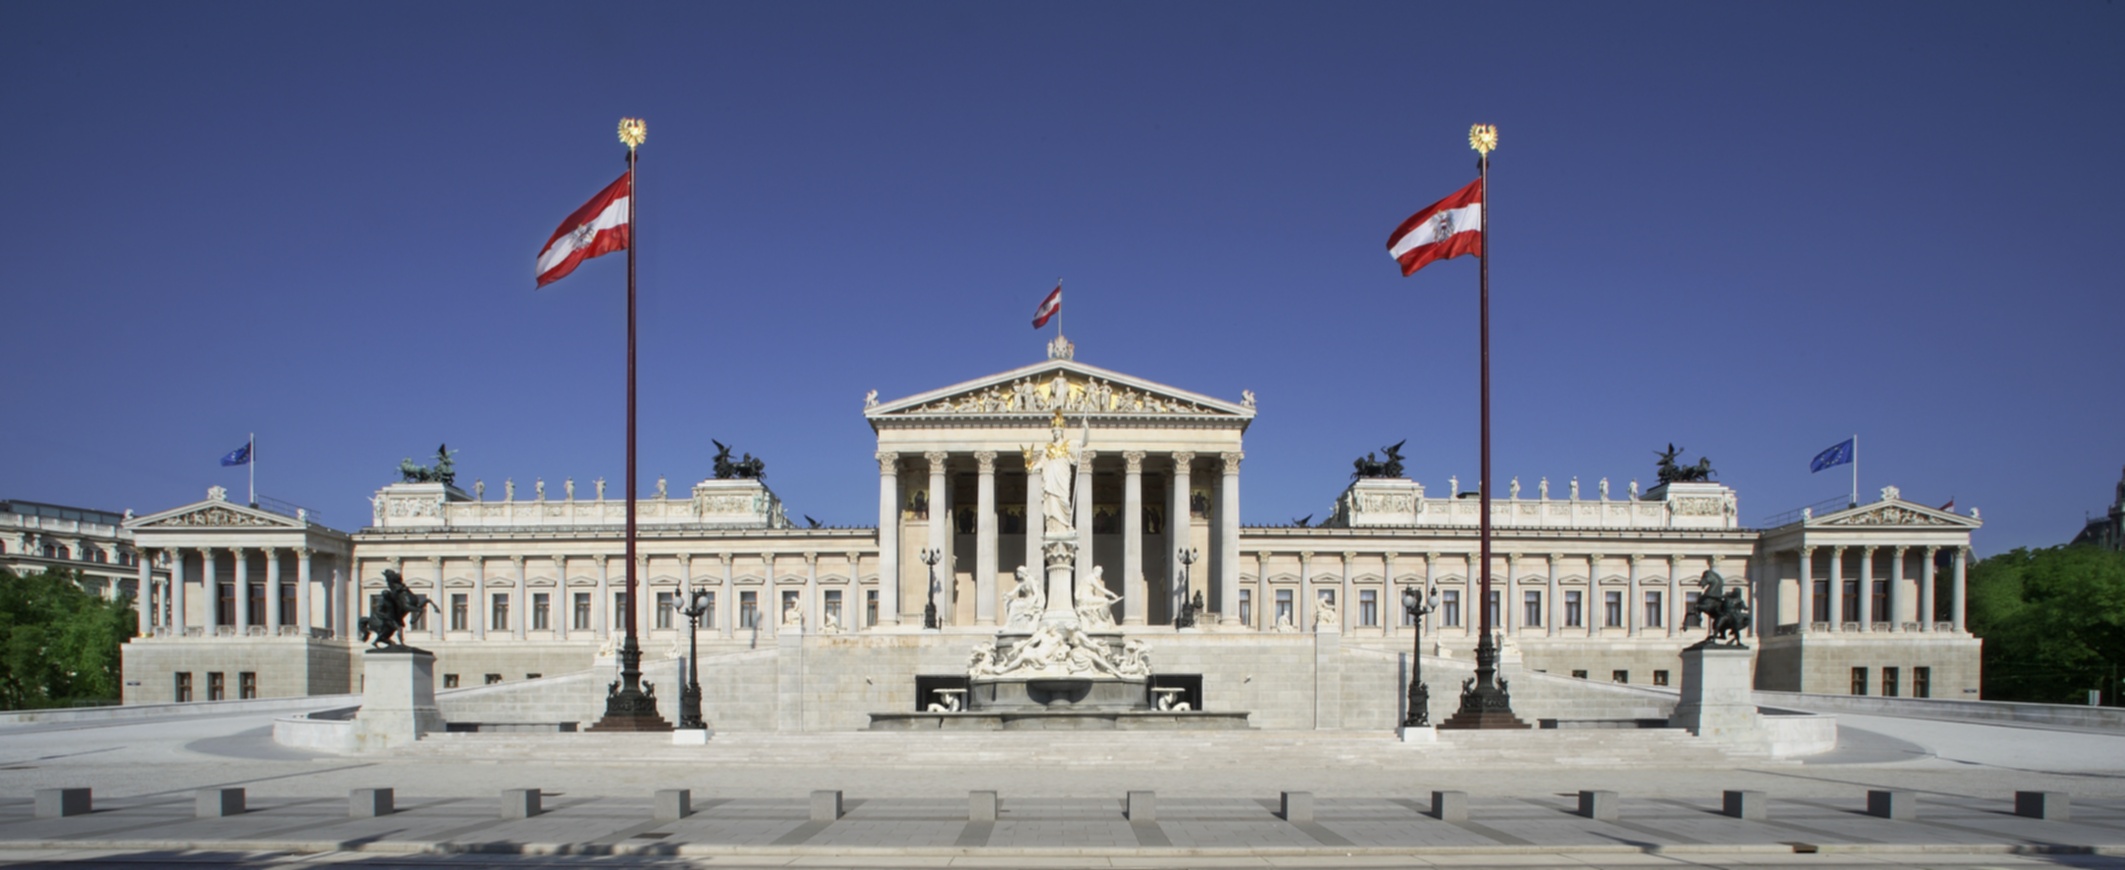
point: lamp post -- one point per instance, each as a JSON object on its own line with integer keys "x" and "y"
{"x": 929, "y": 611}
{"x": 1185, "y": 616}
{"x": 690, "y": 694}
{"x": 1419, "y": 715}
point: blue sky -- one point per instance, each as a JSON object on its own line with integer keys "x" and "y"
{"x": 1749, "y": 229}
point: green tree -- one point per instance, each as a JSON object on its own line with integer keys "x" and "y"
{"x": 58, "y": 644}
{"x": 2053, "y": 621}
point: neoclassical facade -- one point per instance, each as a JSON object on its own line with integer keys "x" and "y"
{"x": 1590, "y": 581}
{"x": 94, "y": 544}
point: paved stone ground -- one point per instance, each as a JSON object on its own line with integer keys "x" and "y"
{"x": 144, "y": 774}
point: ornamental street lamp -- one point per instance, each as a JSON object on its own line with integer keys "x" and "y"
{"x": 1419, "y": 715}
{"x": 929, "y": 611}
{"x": 1184, "y": 617}
{"x": 690, "y": 694}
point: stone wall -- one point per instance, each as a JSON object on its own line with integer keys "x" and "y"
{"x": 285, "y": 666}
{"x": 1822, "y": 662}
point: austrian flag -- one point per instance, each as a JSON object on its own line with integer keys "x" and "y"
{"x": 1448, "y": 228}
{"x": 1048, "y": 307}
{"x": 599, "y": 227}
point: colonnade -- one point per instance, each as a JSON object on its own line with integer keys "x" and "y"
{"x": 1832, "y": 610}
{"x": 165, "y": 607}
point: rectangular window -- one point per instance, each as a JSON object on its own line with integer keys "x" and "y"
{"x": 1660, "y": 678}
{"x": 1921, "y": 682}
{"x": 1531, "y": 605}
{"x": 287, "y": 604}
{"x": 1822, "y": 602}
{"x": 1859, "y": 681}
{"x": 458, "y": 611}
{"x": 1851, "y": 603}
{"x": 533, "y": 676}
{"x": 619, "y": 610}
{"x": 870, "y": 607}
{"x": 1653, "y": 611}
{"x": 1283, "y": 608}
{"x": 582, "y": 612}
{"x": 1574, "y": 609}
{"x": 182, "y": 692}
{"x": 247, "y": 685}
{"x": 1881, "y": 603}
{"x": 1246, "y": 607}
{"x": 1368, "y": 607}
{"x": 449, "y": 681}
{"x": 498, "y": 612}
{"x": 493, "y": 679}
{"x": 1620, "y": 676}
{"x": 214, "y": 686}
{"x": 1450, "y": 608}
{"x": 1579, "y": 674}
{"x": 1689, "y": 600}
{"x": 748, "y": 609}
{"x": 667, "y": 605}
{"x": 1890, "y": 678}
{"x": 541, "y": 611}
{"x": 833, "y": 609}
{"x": 1612, "y": 609}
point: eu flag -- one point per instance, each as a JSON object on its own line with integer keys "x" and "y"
{"x": 1835, "y": 456}
{"x": 239, "y": 456}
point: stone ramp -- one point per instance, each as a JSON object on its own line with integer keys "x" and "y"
{"x": 1656, "y": 747}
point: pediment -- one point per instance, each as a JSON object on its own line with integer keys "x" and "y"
{"x": 1895, "y": 512}
{"x": 216, "y": 512}
{"x": 1074, "y": 388}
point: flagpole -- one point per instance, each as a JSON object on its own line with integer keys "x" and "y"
{"x": 251, "y": 447}
{"x": 1058, "y": 309}
{"x": 1855, "y": 470}
{"x": 627, "y": 706}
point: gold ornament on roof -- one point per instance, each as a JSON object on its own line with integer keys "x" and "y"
{"x": 1483, "y": 138}
{"x": 632, "y": 132}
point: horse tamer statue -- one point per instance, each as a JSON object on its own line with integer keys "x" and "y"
{"x": 1724, "y": 609}
{"x": 388, "y": 612}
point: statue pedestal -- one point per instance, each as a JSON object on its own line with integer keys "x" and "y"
{"x": 1715, "y": 694}
{"x": 398, "y": 699}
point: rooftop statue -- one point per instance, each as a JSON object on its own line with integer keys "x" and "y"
{"x": 1671, "y": 472}
{"x": 1370, "y": 465}
{"x": 748, "y": 468}
{"x": 444, "y": 471}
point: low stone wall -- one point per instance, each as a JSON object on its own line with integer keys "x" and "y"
{"x": 2066, "y": 715}
{"x": 322, "y": 731}
{"x": 194, "y": 708}
{"x": 1790, "y": 735}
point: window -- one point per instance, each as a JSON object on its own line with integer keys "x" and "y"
{"x": 1246, "y": 607}
{"x": 215, "y": 688}
{"x": 1890, "y": 678}
{"x": 287, "y": 604}
{"x": 1822, "y": 602}
{"x": 1612, "y": 609}
{"x": 1620, "y": 676}
{"x": 1531, "y": 606}
{"x": 1450, "y": 607}
{"x": 533, "y": 676}
{"x": 1921, "y": 682}
{"x": 1859, "y": 681}
{"x": 498, "y": 612}
{"x": 1660, "y": 678}
{"x": 449, "y": 681}
{"x": 748, "y": 609}
{"x": 1496, "y": 618}
{"x": 458, "y": 608}
{"x": 870, "y": 606}
{"x": 667, "y": 605}
{"x": 1368, "y": 607}
{"x": 1881, "y": 605}
{"x": 541, "y": 611}
{"x": 1652, "y": 611}
{"x": 1574, "y": 609}
{"x": 1689, "y": 601}
{"x": 1851, "y": 603}
{"x": 1283, "y": 607}
{"x": 247, "y": 685}
{"x": 582, "y": 612}
{"x": 182, "y": 692}
{"x": 225, "y": 607}
{"x": 493, "y": 679}
{"x": 833, "y": 607}
{"x": 620, "y": 605}
{"x": 1579, "y": 674}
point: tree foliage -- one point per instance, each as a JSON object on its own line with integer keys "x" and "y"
{"x": 2053, "y": 621}
{"x": 58, "y": 644}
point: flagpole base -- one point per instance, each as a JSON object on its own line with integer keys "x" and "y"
{"x": 1485, "y": 705}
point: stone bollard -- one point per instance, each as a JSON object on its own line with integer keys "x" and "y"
{"x": 2054, "y": 806}
{"x": 1746, "y": 805}
{"x": 1142, "y": 806}
{"x": 826, "y": 806}
{"x": 1895, "y": 804}
{"x": 213, "y": 803}
{"x": 673, "y": 804}
{"x": 1297, "y": 807}
{"x": 368, "y": 803}
{"x": 520, "y": 803}
{"x": 54, "y": 803}
{"x": 981, "y": 806}
{"x": 1449, "y": 806}
{"x": 1598, "y": 805}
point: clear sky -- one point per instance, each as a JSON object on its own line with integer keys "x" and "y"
{"x": 1749, "y": 229}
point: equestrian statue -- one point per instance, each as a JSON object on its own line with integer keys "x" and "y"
{"x": 1724, "y": 610}
{"x": 388, "y": 611}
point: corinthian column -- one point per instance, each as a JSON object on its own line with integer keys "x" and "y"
{"x": 985, "y": 538}
{"x": 1083, "y": 518}
{"x": 303, "y": 620}
{"x": 1134, "y": 590}
{"x": 941, "y": 534}
{"x": 1228, "y": 523}
{"x": 1180, "y": 534}
{"x": 243, "y": 590}
{"x": 888, "y": 543}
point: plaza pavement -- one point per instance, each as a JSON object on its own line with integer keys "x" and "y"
{"x": 1052, "y": 813}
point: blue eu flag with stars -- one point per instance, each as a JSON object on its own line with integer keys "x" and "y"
{"x": 239, "y": 456}
{"x": 1835, "y": 456}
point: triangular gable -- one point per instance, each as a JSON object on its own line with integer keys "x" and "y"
{"x": 1031, "y": 392}
{"x": 216, "y": 511}
{"x": 1893, "y": 511}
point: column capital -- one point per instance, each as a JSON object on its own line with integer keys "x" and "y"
{"x": 1263, "y": 555}
{"x": 1349, "y": 555}
{"x": 985, "y": 461}
{"x": 1231, "y": 460}
{"x": 1807, "y": 551}
{"x": 1088, "y": 454}
{"x": 437, "y": 559}
{"x": 1182, "y": 458}
{"x": 937, "y": 459}
{"x": 601, "y": 558}
{"x": 236, "y": 551}
{"x": 725, "y": 558}
{"x": 811, "y": 558}
{"x": 1431, "y": 555}
{"x": 1554, "y": 558}
{"x": 1596, "y": 556}
{"x": 517, "y": 559}
{"x": 1133, "y": 461}
{"x": 1305, "y": 555}
{"x": 1637, "y": 558}
{"x": 888, "y": 463}
{"x": 1837, "y": 550}
{"x": 477, "y": 558}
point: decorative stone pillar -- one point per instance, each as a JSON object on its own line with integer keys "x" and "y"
{"x": 478, "y": 611}
{"x": 1896, "y": 589}
{"x": 1672, "y": 608}
{"x": 1837, "y": 589}
{"x": 1265, "y": 618}
{"x": 1866, "y": 589}
{"x": 1956, "y": 610}
{"x": 1306, "y": 598}
{"x": 563, "y": 608}
{"x": 519, "y": 600}
{"x": 272, "y": 619}
{"x": 1347, "y": 602}
{"x": 1431, "y": 577}
{"x": 1088, "y": 462}
{"x": 1180, "y": 535}
{"x": 770, "y": 616}
{"x": 178, "y": 619}
{"x": 1634, "y": 602}
{"x": 144, "y": 601}
{"x": 1508, "y": 597}
{"x": 940, "y": 534}
{"x": 811, "y": 591}
{"x": 243, "y": 590}
{"x": 210, "y": 586}
{"x": 437, "y": 624}
{"x": 985, "y": 542}
{"x": 1134, "y": 589}
{"x": 1550, "y": 608}
{"x": 888, "y": 546}
{"x": 728, "y": 606}
{"x": 1035, "y": 525}
{"x": 1228, "y": 523}
{"x": 1925, "y": 588}
{"x": 1391, "y": 603}
{"x": 601, "y": 605}
{"x": 1807, "y": 591}
{"x": 303, "y": 620}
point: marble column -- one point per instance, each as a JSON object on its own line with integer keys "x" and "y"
{"x": 727, "y": 597}
{"x": 1036, "y": 525}
{"x": 1347, "y": 600}
{"x": 1083, "y": 519}
{"x": 478, "y": 612}
{"x": 1550, "y": 607}
{"x": 1634, "y": 601}
{"x": 144, "y": 601}
{"x": 178, "y": 619}
{"x": 1391, "y": 605}
{"x": 519, "y": 600}
{"x": 1866, "y": 589}
{"x": 1837, "y": 589}
{"x": 770, "y": 616}
{"x": 1896, "y": 589}
{"x": 243, "y": 589}
{"x": 272, "y": 618}
{"x": 811, "y": 592}
{"x": 564, "y": 612}
{"x": 1228, "y": 523}
{"x": 1595, "y": 597}
{"x": 1305, "y": 599}
{"x": 1807, "y": 590}
{"x": 1265, "y": 613}
{"x": 210, "y": 589}
{"x": 1672, "y": 608}
{"x": 601, "y": 603}
{"x": 437, "y": 622}
{"x": 1180, "y": 535}
{"x": 303, "y": 592}
{"x": 888, "y": 546}
{"x": 1956, "y": 610}
{"x": 940, "y": 534}
{"x": 985, "y": 538}
{"x": 1134, "y": 590}
{"x": 1509, "y": 616}
{"x": 1925, "y": 589}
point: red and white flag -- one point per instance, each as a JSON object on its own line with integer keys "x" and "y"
{"x": 599, "y": 227}
{"x": 1048, "y": 307}
{"x": 1448, "y": 228}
